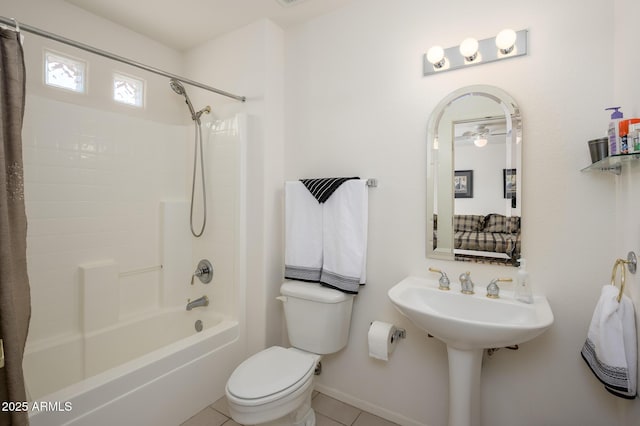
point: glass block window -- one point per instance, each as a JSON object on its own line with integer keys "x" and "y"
{"x": 64, "y": 72}
{"x": 128, "y": 90}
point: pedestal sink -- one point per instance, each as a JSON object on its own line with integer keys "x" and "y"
{"x": 468, "y": 324}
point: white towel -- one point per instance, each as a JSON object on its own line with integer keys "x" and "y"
{"x": 303, "y": 233}
{"x": 344, "y": 236}
{"x": 610, "y": 349}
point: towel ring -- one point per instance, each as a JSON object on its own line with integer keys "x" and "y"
{"x": 632, "y": 263}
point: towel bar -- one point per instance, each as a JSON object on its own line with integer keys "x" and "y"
{"x": 631, "y": 262}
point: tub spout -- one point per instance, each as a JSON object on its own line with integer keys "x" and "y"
{"x": 201, "y": 301}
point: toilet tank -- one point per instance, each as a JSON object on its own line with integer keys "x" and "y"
{"x": 318, "y": 318}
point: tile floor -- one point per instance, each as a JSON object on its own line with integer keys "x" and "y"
{"x": 329, "y": 412}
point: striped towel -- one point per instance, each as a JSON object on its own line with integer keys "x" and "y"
{"x": 610, "y": 350}
{"x": 344, "y": 237}
{"x": 303, "y": 234}
{"x": 322, "y": 188}
{"x": 326, "y": 242}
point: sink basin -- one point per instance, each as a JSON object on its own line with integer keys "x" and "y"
{"x": 468, "y": 324}
{"x": 470, "y": 321}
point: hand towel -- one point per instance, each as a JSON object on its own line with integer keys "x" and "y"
{"x": 323, "y": 188}
{"x": 303, "y": 233}
{"x": 344, "y": 237}
{"x": 611, "y": 349}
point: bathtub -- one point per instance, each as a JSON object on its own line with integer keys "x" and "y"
{"x": 150, "y": 370}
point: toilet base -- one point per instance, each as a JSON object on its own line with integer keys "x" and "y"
{"x": 298, "y": 418}
{"x": 303, "y": 416}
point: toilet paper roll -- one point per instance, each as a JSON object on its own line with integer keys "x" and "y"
{"x": 381, "y": 340}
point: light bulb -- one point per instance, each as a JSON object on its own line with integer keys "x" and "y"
{"x": 435, "y": 55}
{"x": 480, "y": 141}
{"x": 506, "y": 40}
{"x": 469, "y": 49}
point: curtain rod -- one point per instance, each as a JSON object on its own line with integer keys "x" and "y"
{"x": 42, "y": 33}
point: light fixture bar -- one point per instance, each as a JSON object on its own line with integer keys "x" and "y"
{"x": 487, "y": 52}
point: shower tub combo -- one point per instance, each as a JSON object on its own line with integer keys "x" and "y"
{"x": 92, "y": 195}
{"x": 161, "y": 365}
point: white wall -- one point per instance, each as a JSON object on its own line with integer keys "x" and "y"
{"x": 356, "y": 103}
{"x": 487, "y": 164}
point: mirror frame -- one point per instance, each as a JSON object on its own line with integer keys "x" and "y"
{"x": 514, "y": 136}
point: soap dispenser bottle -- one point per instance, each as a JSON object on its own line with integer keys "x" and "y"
{"x": 523, "y": 291}
{"x": 614, "y": 131}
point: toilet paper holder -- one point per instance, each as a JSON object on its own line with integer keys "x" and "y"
{"x": 399, "y": 333}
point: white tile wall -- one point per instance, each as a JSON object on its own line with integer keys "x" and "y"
{"x": 219, "y": 242}
{"x": 177, "y": 257}
{"x": 93, "y": 185}
{"x": 100, "y": 298}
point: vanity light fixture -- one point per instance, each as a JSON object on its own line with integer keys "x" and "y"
{"x": 435, "y": 56}
{"x": 469, "y": 49}
{"x": 506, "y": 41}
{"x": 507, "y": 44}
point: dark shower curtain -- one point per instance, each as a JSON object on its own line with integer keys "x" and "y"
{"x": 15, "y": 304}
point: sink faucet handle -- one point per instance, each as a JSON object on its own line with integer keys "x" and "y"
{"x": 493, "y": 291}
{"x": 444, "y": 279}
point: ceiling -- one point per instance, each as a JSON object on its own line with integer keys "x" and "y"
{"x": 187, "y": 23}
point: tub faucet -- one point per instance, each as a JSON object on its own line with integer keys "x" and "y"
{"x": 201, "y": 301}
{"x": 466, "y": 283}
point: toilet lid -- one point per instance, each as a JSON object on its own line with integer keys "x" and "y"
{"x": 268, "y": 372}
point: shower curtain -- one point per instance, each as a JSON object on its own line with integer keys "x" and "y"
{"x": 15, "y": 305}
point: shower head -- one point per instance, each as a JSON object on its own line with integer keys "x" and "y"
{"x": 180, "y": 90}
{"x": 177, "y": 87}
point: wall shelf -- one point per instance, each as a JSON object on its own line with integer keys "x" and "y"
{"x": 612, "y": 164}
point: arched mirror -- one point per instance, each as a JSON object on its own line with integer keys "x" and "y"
{"x": 474, "y": 177}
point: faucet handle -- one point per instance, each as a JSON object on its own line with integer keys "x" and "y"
{"x": 444, "y": 279}
{"x": 493, "y": 291}
{"x": 204, "y": 272}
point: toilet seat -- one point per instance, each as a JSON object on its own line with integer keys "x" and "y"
{"x": 270, "y": 375}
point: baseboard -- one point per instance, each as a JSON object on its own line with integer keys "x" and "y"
{"x": 367, "y": 406}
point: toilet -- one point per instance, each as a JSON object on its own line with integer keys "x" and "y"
{"x": 273, "y": 387}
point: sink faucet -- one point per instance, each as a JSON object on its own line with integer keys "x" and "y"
{"x": 201, "y": 301}
{"x": 493, "y": 291}
{"x": 466, "y": 283}
{"x": 444, "y": 279}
